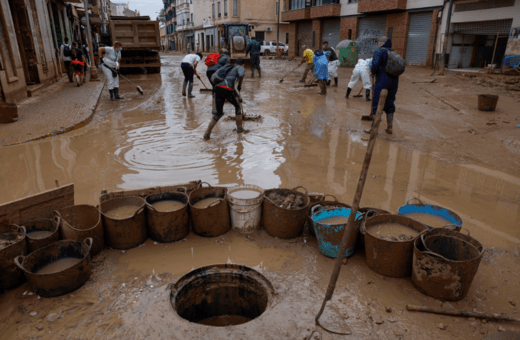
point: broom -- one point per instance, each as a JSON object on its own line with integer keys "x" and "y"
{"x": 137, "y": 87}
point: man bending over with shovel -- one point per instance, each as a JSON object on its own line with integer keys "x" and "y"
{"x": 189, "y": 68}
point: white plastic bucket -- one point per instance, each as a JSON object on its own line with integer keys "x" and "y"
{"x": 245, "y": 212}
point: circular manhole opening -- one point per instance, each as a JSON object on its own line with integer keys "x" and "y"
{"x": 221, "y": 295}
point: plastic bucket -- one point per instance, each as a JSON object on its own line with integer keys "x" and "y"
{"x": 368, "y": 212}
{"x": 213, "y": 220}
{"x": 60, "y": 282}
{"x": 325, "y": 204}
{"x": 246, "y": 213}
{"x": 385, "y": 257}
{"x": 330, "y": 235}
{"x": 79, "y": 222}
{"x": 168, "y": 226}
{"x": 451, "y": 217}
{"x": 445, "y": 262}
{"x": 128, "y": 232}
{"x": 43, "y": 224}
{"x": 10, "y": 275}
{"x": 283, "y": 222}
{"x": 487, "y": 102}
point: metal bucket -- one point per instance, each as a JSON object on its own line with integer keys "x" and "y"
{"x": 367, "y": 212}
{"x": 167, "y": 226}
{"x": 445, "y": 262}
{"x": 487, "y": 102}
{"x": 43, "y": 224}
{"x": 330, "y": 235}
{"x": 10, "y": 275}
{"x": 124, "y": 233}
{"x": 246, "y": 213}
{"x": 61, "y": 282}
{"x": 282, "y": 222}
{"x": 326, "y": 205}
{"x": 213, "y": 220}
{"x": 385, "y": 257}
{"x": 450, "y": 216}
{"x": 81, "y": 221}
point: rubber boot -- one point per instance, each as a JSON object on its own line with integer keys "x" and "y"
{"x": 348, "y": 92}
{"x": 78, "y": 81}
{"x": 368, "y": 95}
{"x": 211, "y": 125}
{"x": 389, "y": 123}
{"x": 111, "y": 94}
{"x": 324, "y": 87}
{"x": 116, "y": 93}
{"x": 190, "y": 89}
{"x": 328, "y": 82}
{"x": 252, "y": 73}
{"x": 239, "y": 119}
{"x": 259, "y": 73}
{"x": 335, "y": 82}
{"x": 214, "y": 109}
{"x": 184, "y": 88}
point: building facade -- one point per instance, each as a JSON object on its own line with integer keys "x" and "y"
{"x": 170, "y": 25}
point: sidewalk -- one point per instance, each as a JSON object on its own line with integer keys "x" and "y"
{"x": 59, "y": 108}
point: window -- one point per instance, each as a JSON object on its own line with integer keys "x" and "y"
{"x": 213, "y": 9}
{"x": 192, "y": 17}
{"x": 219, "y": 13}
{"x": 352, "y": 1}
{"x": 225, "y": 8}
{"x": 349, "y": 36}
{"x": 235, "y": 8}
{"x": 298, "y": 4}
{"x": 286, "y": 38}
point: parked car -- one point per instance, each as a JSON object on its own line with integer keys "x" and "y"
{"x": 269, "y": 47}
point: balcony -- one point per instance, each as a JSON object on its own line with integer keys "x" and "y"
{"x": 296, "y": 14}
{"x": 367, "y": 6}
{"x": 324, "y": 11}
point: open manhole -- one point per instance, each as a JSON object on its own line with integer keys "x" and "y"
{"x": 221, "y": 295}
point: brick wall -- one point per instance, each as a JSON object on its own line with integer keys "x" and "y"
{"x": 316, "y": 27}
{"x": 365, "y": 6}
{"x": 332, "y": 10}
{"x": 399, "y": 22}
{"x": 348, "y": 24}
{"x": 432, "y": 38}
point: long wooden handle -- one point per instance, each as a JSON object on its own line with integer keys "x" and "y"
{"x": 457, "y": 312}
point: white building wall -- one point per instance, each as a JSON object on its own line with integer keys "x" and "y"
{"x": 348, "y": 9}
{"x": 414, "y": 4}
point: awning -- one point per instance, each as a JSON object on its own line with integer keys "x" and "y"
{"x": 502, "y": 27}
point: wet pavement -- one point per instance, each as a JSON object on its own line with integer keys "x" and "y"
{"x": 302, "y": 139}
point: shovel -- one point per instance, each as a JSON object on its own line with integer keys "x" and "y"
{"x": 291, "y": 71}
{"x": 206, "y": 88}
{"x": 359, "y": 93}
{"x": 137, "y": 87}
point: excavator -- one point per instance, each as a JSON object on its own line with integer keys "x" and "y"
{"x": 236, "y": 38}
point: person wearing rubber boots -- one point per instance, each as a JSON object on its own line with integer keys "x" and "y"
{"x": 321, "y": 69}
{"x": 189, "y": 68}
{"x": 361, "y": 71}
{"x": 222, "y": 61}
{"x": 333, "y": 63}
{"x": 383, "y": 81}
{"x": 228, "y": 89}
{"x": 110, "y": 67}
{"x": 253, "y": 48}
{"x": 307, "y": 57}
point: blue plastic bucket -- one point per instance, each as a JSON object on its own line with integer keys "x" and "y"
{"x": 329, "y": 235}
{"x": 448, "y": 215}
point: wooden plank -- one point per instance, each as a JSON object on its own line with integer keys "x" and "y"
{"x": 149, "y": 191}
{"x": 41, "y": 205}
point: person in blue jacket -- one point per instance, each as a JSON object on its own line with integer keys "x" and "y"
{"x": 383, "y": 81}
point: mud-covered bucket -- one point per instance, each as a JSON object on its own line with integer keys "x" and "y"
{"x": 330, "y": 225}
{"x": 445, "y": 262}
{"x": 432, "y": 216}
{"x": 367, "y": 212}
{"x": 209, "y": 211}
{"x": 58, "y": 268}
{"x": 124, "y": 219}
{"x": 12, "y": 244}
{"x": 79, "y": 222}
{"x": 487, "y": 102}
{"x": 245, "y": 203}
{"x": 167, "y": 215}
{"x": 282, "y": 213}
{"x": 385, "y": 255}
{"x": 324, "y": 203}
{"x": 41, "y": 232}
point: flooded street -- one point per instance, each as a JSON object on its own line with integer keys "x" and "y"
{"x": 302, "y": 139}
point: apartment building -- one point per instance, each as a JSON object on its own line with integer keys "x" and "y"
{"x": 170, "y": 25}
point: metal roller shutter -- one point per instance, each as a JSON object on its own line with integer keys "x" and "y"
{"x": 491, "y": 27}
{"x": 330, "y": 31}
{"x": 370, "y": 29}
{"x": 418, "y": 38}
{"x": 459, "y": 55}
{"x": 304, "y": 35}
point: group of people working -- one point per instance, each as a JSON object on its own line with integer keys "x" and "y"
{"x": 75, "y": 61}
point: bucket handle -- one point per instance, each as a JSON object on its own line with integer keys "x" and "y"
{"x": 429, "y": 252}
{"x": 301, "y": 187}
{"x": 90, "y": 243}
{"x": 149, "y": 206}
{"x": 200, "y": 185}
{"x": 183, "y": 188}
{"x": 215, "y": 203}
{"x": 17, "y": 228}
{"x": 316, "y": 209}
{"x": 140, "y": 210}
{"x": 414, "y": 198}
{"x": 323, "y": 198}
{"x": 57, "y": 219}
{"x": 457, "y": 228}
{"x": 17, "y": 262}
{"x": 102, "y": 199}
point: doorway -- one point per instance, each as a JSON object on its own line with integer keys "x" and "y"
{"x": 260, "y": 36}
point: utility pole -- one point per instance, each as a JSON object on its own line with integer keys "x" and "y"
{"x": 93, "y": 69}
{"x": 278, "y": 30}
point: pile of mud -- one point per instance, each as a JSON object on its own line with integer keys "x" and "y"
{"x": 9, "y": 239}
{"x": 401, "y": 237}
{"x": 291, "y": 201}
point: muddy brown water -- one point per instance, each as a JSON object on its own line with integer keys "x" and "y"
{"x": 245, "y": 194}
{"x": 206, "y": 202}
{"x": 429, "y": 219}
{"x": 225, "y": 320}
{"x": 334, "y": 220}
{"x": 39, "y": 234}
{"x": 392, "y": 230}
{"x": 168, "y": 205}
{"x": 59, "y": 265}
{"x": 120, "y": 213}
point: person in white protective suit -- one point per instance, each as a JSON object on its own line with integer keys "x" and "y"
{"x": 110, "y": 67}
{"x": 362, "y": 70}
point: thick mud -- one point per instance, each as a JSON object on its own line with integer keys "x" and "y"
{"x": 443, "y": 151}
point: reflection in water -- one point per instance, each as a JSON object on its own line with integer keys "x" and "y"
{"x": 156, "y": 139}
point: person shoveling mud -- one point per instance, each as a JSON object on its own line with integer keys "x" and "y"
{"x": 189, "y": 68}
{"x": 228, "y": 84}
{"x": 215, "y": 61}
{"x": 362, "y": 70}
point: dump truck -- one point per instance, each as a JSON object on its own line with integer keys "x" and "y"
{"x": 141, "y": 41}
{"x": 236, "y": 38}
